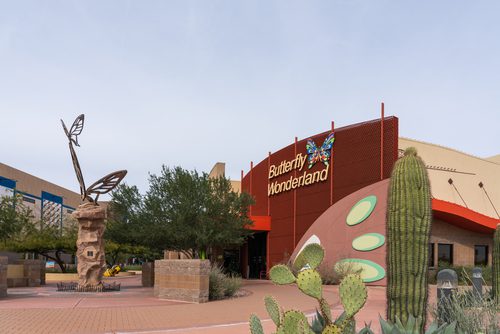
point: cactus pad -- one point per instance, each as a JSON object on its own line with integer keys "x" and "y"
{"x": 273, "y": 309}
{"x": 280, "y": 274}
{"x": 292, "y": 322}
{"x": 255, "y": 325}
{"x": 331, "y": 329}
{"x": 312, "y": 255}
{"x": 325, "y": 310}
{"x": 309, "y": 282}
{"x": 352, "y": 294}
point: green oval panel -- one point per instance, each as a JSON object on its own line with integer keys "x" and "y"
{"x": 371, "y": 271}
{"x": 361, "y": 210}
{"x": 368, "y": 242}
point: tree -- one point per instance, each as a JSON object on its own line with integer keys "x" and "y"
{"x": 14, "y": 217}
{"x": 183, "y": 210}
{"x": 49, "y": 241}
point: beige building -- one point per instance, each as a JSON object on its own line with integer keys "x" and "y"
{"x": 466, "y": 202}
{"x": 45, "y": 199}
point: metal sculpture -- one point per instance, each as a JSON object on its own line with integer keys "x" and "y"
{"x": 91, "y": 220}
{"x": 103, "y": 185}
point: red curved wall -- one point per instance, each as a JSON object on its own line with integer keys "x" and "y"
{"x": 356, "y": 163}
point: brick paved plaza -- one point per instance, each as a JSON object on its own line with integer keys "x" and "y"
{"x": 136, "y": 310}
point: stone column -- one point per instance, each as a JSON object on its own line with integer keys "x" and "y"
{"x": 148, "y": 274}
{"x": 90, "y": 246}
{"x": 4, "y": 260}
{"x": 33, "y": 272}
{"x": 185, "y": 280}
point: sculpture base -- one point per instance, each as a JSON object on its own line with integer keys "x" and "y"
{"x": 75, "y": 287}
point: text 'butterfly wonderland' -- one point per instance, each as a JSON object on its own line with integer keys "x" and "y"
{"x": 321, "y": 154}
{"x": 104, "y": 184}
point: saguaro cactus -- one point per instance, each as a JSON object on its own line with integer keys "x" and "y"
{"x": 496, "y": 265}
{"x": 409, "y": 217}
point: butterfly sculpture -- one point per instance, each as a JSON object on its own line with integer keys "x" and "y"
{"x": 103, "y": 185}
{"x": 323, "y": 153}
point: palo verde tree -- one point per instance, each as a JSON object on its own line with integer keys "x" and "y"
{"x": 183, "y": 210}
{"x": 50, "y": 241}
{"x": 14, "y": 218}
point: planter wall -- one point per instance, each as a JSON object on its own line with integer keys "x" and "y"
{"x": 185, "y": 280}
{"x": 3, "y": 276}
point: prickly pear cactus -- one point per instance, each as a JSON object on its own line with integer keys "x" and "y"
{"x": 281, "y": 274}
{"x": 311, "y": 256}
{"x": 309, "y": 282}
{"x": 326, "y": 312}
{"x": 332, "y": 329}
{"x": 273, "y": 309}
{"x": 292, "y": 320}
{"x": 255, "y": 325}
{"x": 353, "y": 294}
{"x": 409, "y": 219}
{"x": 495, "y": 289}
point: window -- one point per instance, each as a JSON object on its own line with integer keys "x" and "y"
{"x": 90, "y": 253}
{"x": 445, "y": 253}
{"x": 480, "y": 255}
{"x": 431, "y": 254}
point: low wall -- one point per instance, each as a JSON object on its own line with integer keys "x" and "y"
{"x": 148, "y": 274}
{"x": 185, "y": 280}
{"x": 26, "y": 273}
{"x": 59, "y": 277}
{"x": 3, "y": 275}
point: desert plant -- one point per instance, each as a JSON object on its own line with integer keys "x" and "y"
{"x": 221, "y": 285}
{"x": 233, "y": 284}
{"x": 408, "y": 230}
{"x": 470, "y": 313}
{"x": 414, "y": 326}
{"x": 352, "y": 291}
{"x": 495, "y": 286}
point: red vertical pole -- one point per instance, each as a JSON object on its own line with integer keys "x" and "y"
{"x": 382, "y": 142}
{"x": 268, "y": 265}
{"x": 331, "y": 168}
{"x": 268, "y": 198}
{"x": 295, "y": 201}
{"x": 251, "y": 181}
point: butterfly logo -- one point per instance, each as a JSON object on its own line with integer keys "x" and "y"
{"x": 104, "y": 184}
{"x": 323, "y": 153}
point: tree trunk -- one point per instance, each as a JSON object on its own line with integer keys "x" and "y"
{"x": 56, "y": 259}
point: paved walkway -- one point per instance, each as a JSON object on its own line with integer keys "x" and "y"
{"x": 136, "y": 310}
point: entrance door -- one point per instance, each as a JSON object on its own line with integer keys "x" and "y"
{"x": 257, "y": 250}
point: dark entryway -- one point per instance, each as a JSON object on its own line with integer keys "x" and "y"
{"x": 257, "y": 248}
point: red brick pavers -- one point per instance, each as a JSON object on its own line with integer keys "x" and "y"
{"x": 135, "y": 310}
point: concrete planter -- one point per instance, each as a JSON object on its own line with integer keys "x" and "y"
{"x": 185, "y": 280}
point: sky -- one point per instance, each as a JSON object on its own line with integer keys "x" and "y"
{"x": 190, "y": 83}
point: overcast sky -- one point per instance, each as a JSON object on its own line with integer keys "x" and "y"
{"x": 191, "y": 83}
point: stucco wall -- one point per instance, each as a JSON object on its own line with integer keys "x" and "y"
{"x": 466, "y": 171}
{"x": 463, "y": 242}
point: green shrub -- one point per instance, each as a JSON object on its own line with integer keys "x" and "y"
{"x": 464, "y": 273}
{"x": 135, "y": 267}
{"x": 233, "y": 284}
{"x": 220, "y": 285}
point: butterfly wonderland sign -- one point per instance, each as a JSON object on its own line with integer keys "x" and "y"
{"x": 314, "y": 154}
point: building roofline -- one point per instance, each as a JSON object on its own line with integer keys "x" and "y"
{"x": 450, "y": 149}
